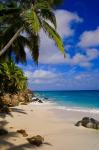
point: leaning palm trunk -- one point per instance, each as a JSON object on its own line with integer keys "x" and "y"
{"x": 6, "y": 47}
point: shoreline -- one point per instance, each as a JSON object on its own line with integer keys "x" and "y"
{"x": 50, "y": 104}
{"x": 64, "y": 112}
{"x": 59, "y": 131}
{"x": 92, "y": 109}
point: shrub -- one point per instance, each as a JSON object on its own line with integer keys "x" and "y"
{"x": 12, "y": 79}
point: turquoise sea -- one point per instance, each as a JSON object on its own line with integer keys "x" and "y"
{"x": 73, "y": 100}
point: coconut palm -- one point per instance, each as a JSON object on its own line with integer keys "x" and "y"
{"x": 21, "y": 24}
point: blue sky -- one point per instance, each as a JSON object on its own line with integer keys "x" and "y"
{"x": 78, "y": 25}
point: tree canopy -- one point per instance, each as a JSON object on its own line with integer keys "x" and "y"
{"x": 20, "y": 25}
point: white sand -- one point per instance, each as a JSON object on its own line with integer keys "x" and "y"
{"x": 58, "y": 130}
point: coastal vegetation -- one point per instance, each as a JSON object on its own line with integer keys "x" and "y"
{"x": 13, "y": 86}
{"x": 20, "y": 26}
{"x": 12, "y": 78}
{"x": 21, "y": 23}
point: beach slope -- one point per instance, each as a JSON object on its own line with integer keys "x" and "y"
{"x": 58, "y": 133}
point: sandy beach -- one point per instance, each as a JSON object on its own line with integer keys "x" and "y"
{"x": 57, "y": 129}
{"x": 49, "y": 74}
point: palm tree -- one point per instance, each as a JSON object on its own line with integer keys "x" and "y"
{"x": 21, "y": 25}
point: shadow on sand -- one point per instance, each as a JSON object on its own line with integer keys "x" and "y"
{"x": 27, "y": 145}
{"x": 3, "y": 138}
{"x": 3, "y": 115}
{"x": 18, "y": 110}
{"x": 5, "y": 144}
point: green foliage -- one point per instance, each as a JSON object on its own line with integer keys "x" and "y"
{"x": 55, "y": 2}
{"x": 32, "y": 20}
{"x": 32, "y": 15}
{"x": 12, "y": 79}
{"x": 54, "y": 35}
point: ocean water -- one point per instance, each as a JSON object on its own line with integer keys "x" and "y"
{"x": 73, "y": 100}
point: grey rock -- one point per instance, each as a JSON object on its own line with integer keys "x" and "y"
{"x": 78, "y": 124}
{"x": 88, "y": 123}
{"x": 40, "y": 101}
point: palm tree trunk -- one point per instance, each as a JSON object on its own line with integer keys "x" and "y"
{"x": 10, "y": 42}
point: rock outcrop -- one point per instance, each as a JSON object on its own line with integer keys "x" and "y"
{"x": 14, "y": 99}
{"x": 35, "y": 99}
{"x": 88, "y": 123}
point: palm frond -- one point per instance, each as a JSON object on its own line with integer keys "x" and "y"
{"x": 53, "y": 35}
{"x": 55, "y": 3}
{"x": 41, "y": 4}
{"x": 19, "y": 50}
{"x": 44, "y": 10}
{"x": 49, "y": 15}
{"x": 31, "y": 19}
{"x": 9, "y": 11}
{"x": 35, "y": 47}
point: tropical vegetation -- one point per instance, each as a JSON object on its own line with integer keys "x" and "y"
{"x": 12, "y": 79}
{"x": 21, "y": 23}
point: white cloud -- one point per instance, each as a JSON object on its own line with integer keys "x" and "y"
{"x": 64, "y": 20}
{"x": 53, "y": 56}
{"x": 82, "y": 76}
{"x": 39, "y": 79}
{"x": 79, "y": 60}
{"x": 48, "y": 80}
{"x": 83, "y": 60}
{"x": 40, "y": 74}
{"x": 92, "y": 53}
{"x": 49, "y": 53}
{"x": 46, "y": 77}
{"x": 89, "y": 38}
{"x": 43, "y": 74}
